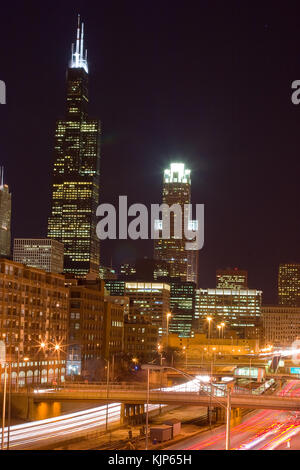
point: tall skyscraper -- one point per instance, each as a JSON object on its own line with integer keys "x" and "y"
{"x": 76, "y": 172}
{"x": 41, "y": 253}
{"x": 289, "y": 284}
{"x": 5, "y": 216}
{"x": 183, "y": 263}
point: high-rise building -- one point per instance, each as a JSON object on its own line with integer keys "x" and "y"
{"x": 182, "y": 306}
{"x": 239, "y": 309}
{"x": 76, "y": 173}
{"x": 232, "y": 279}
{"x": 183, "y": 264}
{"x": 96, "y": 327}
{"x": 140, "y": 336}
{"x": 151, "y": 299}
{"x": 289, "y": 284}
{"x": 41, "y": 253}
{"x": 5, "y": 217}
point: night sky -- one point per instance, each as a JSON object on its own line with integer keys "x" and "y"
{"x": 206, "y": 83}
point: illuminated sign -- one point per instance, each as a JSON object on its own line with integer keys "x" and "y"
{"x": 295, "y": 370}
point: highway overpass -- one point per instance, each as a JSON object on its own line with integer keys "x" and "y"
{"x": 139, "y": 396}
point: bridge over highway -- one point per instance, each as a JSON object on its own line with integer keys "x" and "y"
{"x": 139, "y": 396}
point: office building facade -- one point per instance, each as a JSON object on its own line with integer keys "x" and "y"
{"x": 239, "y": 309}
{"x": 182, "y": 307}
{"x": 289, "y": 284}
{"x": 280, "y": 325}
{"x": 40, "y": 253}
{"x": 33, "y": 312}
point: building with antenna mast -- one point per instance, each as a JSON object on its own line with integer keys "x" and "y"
{"x": 76, "y": 172}
{"x": 5, "y": 217}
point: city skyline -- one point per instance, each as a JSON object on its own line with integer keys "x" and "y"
{"x": 255, "y": 250}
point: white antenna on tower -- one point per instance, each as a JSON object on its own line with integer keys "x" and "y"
{"x": 77, "y": 58}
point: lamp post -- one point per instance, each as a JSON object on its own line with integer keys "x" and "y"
{"x": 168, "y": 318}
{"x": 3, "y": 406}
{"x": 209, "y": 319}
{"x": 107, "y": 385}
{"x": 147, "y": 409}
{"x": 223, "y": 326}
{"x": 228, "y": 416}
{"x": 42, "y": 348}
{"x": 227, "y": 406}
{"x": 185, "y": 350}
{"x": 159, "y": 347}
{"x": 57, "y": 349}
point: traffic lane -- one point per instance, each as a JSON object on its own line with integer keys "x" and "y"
{"x": 251, "y": 427}
{"x": 215, "y": 439}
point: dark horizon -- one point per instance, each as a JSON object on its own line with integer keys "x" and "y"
{"x": 209, "y": 84}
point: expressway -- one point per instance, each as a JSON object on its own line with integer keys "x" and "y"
{"x": 259, "y": 430}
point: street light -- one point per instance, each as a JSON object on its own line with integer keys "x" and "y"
{"x": 219, "y": 328}
{"x": 42, "y": 348}
{"x": 227, "y": 406}
{"x": 107, "y": 385}
{"x": 168, "y": 318}
{"x": 185, "y": 350}
{"x": 209, "y": 319}
{"x": 57, "y": 349}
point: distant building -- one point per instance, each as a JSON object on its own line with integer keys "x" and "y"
{"x": 140, "y": 337}
{"x": 41, "y": 253}
{"x": 240, "y": 309}
{"x": 107, "y": 273}
{"x": 5, "y": 217}
{"x": 182, "y": 307}
{"x": 33, "y": 312}
{"x": 280, "y": 325}
{"x": 199, "y": 347}
{"x": 232, "y": 279}
{"x": 145, "y": 269}
{"x": 289, "y": 284}
{"x": 152, "y": 299}
{"x": 95, "y": 327}
{"x": 127, "y": 271}
{"x": 183, "y": 264}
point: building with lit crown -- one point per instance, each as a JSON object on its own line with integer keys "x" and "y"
{"x": 76, "y": 172}
{"x": 232, "y": 279}
{"x": 183, "y": 264}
